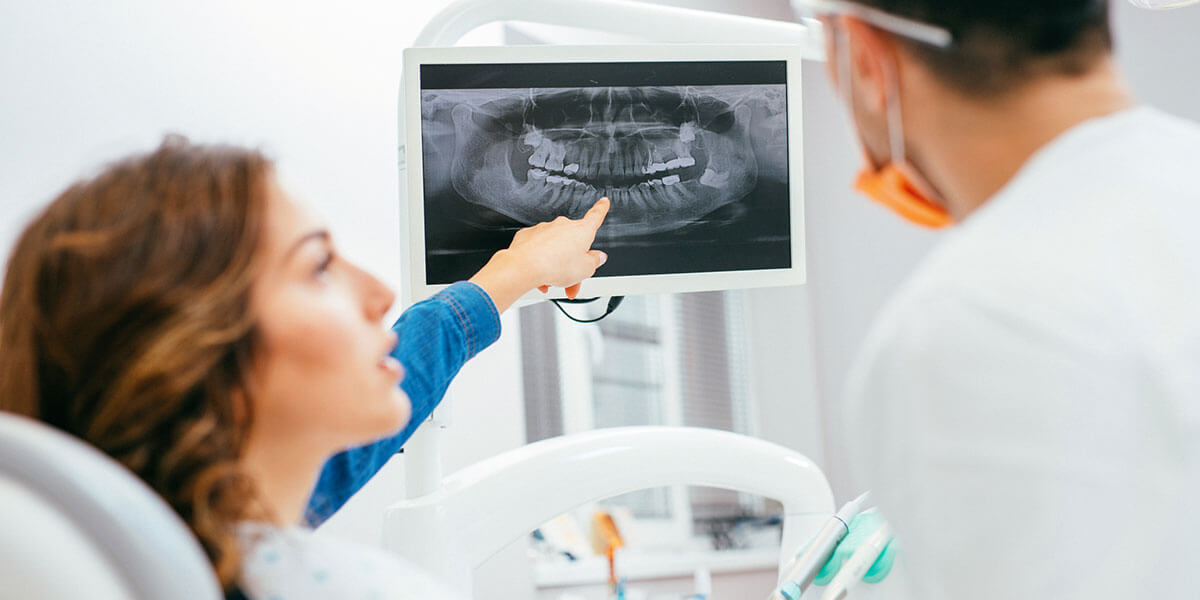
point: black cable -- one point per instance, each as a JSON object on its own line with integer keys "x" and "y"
{"x": 613, "y": 303}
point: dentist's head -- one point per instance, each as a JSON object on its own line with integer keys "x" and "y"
{"x": 182, "y": 314}
{"x": 949, "y": 98}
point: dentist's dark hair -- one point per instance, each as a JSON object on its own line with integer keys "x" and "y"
{"x": 125, "y": 320}
{"x": 1001, "y": 44}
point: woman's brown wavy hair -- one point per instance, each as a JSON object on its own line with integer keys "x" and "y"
{"x": 125, "y": 320}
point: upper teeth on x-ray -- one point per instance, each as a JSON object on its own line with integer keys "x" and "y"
{"x": 667, "y": 157}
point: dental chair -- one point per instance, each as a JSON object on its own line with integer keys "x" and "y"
{"x": 464, "y": 519}
{"x": 76, "y": 524}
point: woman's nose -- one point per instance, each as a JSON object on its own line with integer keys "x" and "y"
{"x": 377, "y": 296}
{"x": 382, "y": 297}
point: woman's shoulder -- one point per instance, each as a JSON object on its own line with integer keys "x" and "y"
{"x": 286, "y": 563}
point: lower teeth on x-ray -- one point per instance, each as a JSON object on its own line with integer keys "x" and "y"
{"x": 682, "y": 166}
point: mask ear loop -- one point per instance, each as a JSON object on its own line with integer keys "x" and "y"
{"x": 895, "y": 118}
{"x": 841, "y": 41}
{"x": 895, "y": 126}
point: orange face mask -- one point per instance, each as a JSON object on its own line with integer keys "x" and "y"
{"x": 895, "y": 184}
{"x": 890, "y": 187}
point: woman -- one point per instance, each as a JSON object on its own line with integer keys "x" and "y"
{"x": 181, "y": 313}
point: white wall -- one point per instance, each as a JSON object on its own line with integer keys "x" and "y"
{"x": 313, "y": 83}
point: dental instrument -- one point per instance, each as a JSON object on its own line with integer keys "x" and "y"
{"x": 606, "y": 540}
{"x": 856, "y": 566}
{"x": 806, "y": 565}
{"x": 702, "y": 582}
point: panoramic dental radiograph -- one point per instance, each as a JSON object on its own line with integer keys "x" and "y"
{"x": 697, "y": 175}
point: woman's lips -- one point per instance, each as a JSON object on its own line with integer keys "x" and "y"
{"x": 392, "y": 367}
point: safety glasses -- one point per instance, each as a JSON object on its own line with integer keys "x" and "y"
{"x": 1162, "y": 4}
{"x": 909, "y": 28}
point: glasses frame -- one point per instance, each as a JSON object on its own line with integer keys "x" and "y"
{"x": 909, "y": 28}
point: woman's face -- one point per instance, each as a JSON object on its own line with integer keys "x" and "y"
{"x": 323, "y": 374}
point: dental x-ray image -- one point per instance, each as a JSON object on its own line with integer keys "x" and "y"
{"x": 697, "y": 174}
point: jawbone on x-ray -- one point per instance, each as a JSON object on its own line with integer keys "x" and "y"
{"x": 666, "y": 156}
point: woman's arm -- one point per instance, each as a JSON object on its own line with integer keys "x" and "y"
{"x": 437, "y": 336}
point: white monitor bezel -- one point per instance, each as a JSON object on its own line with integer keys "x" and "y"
{"x": 412, "y": 209}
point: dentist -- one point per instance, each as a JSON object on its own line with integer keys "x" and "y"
{"x": 1027, "y": 406}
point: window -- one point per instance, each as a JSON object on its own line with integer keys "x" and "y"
{"x": 658, "y": 360}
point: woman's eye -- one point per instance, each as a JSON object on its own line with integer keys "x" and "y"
{"x": 324, "y": 265}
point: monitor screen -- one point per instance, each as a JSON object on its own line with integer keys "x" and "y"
{"x": 694, "y": 155}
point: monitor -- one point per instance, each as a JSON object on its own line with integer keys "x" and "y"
{"x": 697, "y": 146}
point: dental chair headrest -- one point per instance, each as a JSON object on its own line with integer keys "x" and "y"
{"x": 75, "y": 522}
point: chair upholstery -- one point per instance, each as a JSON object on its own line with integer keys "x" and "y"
{"x": 76, "y": 524}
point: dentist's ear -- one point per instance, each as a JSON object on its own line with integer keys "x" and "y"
{"x": 873, "y": 62}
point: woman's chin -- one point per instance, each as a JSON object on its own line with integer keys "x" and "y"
{"x": 390, "y": 413}
{"x": 401, "y": 408}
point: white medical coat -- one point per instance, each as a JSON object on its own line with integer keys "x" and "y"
{"x": 1027, "y": 408}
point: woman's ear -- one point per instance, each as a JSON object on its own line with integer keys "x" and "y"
{"x": 239, "y": 406}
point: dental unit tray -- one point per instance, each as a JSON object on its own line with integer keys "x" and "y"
{"x": 697, "y": 146}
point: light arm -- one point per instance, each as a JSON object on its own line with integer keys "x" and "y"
{"x": 639, "y": 19}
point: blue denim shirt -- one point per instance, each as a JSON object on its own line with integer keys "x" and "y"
{"x": 437, "y": 336}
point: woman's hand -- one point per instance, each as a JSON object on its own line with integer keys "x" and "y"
{"x": 557, "y": 253}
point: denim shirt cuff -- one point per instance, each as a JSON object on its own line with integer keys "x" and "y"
{"x": 475, "y": 312}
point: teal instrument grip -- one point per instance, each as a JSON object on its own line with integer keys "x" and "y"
{"x": 861, "y": 527}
